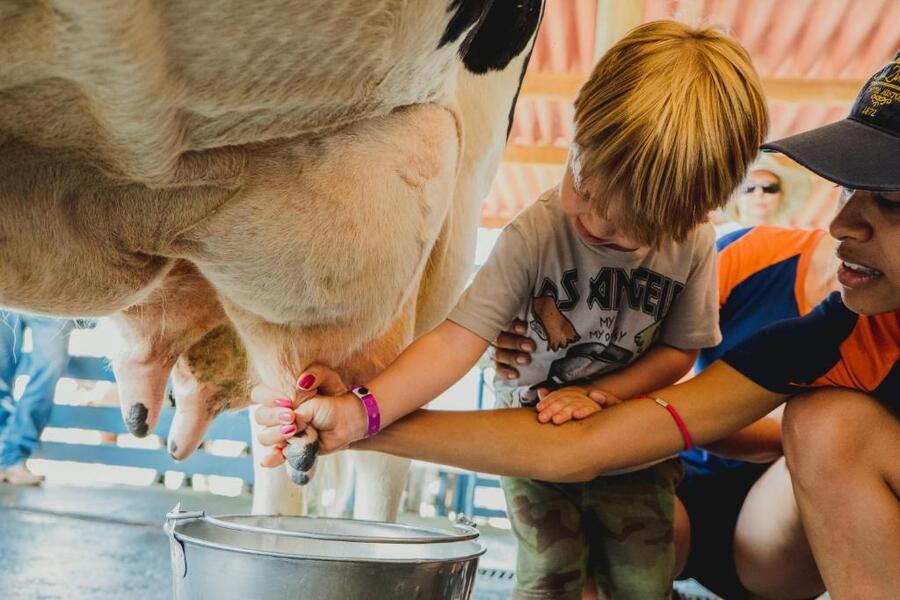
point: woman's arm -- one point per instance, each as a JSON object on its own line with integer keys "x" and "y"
{"x": 512, "y": 442}
{"x": 758, "y": 442}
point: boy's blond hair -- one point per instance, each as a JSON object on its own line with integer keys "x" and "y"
{"x": 668, "y": 123}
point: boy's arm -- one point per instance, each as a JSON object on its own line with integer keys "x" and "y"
{"x": 660, "y": 366}
{"x": 426, "y": 369}
{"x": 511, "y": 442}
{"x": 437, "y": 360}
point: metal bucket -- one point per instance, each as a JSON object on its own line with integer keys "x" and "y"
{"x": 244, "y": 556}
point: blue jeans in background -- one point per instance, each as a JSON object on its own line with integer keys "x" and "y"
{"x": 22, "y": 422}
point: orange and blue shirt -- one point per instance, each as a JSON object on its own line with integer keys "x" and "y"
{"x": 774, "y": 338}
{"x": 831, "y": 346}
{"x": 762, "y": 271}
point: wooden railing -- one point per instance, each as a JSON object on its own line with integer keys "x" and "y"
{"x": 229, "y": 426}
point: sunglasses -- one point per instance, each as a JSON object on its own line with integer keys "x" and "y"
{"x": 767, "y": 188}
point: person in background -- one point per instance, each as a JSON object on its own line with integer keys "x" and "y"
{"x": 771, "y": 194}
{"x": 22, "y": 421}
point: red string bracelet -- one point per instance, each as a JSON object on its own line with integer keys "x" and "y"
{"x": 685, "y": 434}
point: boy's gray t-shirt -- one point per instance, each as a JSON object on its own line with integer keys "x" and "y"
{"x": 591, "y": 309}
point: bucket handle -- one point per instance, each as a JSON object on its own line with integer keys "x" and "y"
{"x": 176, "y": 548}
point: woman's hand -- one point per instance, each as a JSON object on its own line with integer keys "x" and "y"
{"x": 571, "y": 402}
{"x": 512, "y": 348}
{"x": 337, "y": 417}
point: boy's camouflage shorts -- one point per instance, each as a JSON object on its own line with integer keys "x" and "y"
{"x": 618, "y": 529}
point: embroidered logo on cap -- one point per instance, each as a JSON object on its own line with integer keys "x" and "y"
{"x": 878, "y": 102}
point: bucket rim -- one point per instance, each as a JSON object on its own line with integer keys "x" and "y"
{"x": 190, "y": 540}
{"x": 177, "y": 518}
{"x": 439, "y": 536}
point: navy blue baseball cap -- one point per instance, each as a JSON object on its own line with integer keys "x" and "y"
{"x": 861, "y": 152}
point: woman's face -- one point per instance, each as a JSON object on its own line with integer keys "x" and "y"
{"x": 867, "y": 227}
{"x": 759, "y": 198}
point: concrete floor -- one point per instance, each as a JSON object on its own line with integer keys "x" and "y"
{"x": 107, "y": 543}
{"x": 50, "y": 556}
{"x": 85, "y": 543}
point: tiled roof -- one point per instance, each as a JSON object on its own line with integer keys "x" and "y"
{"x": 813, "y": 55}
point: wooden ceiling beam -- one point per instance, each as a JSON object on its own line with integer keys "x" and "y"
{"x": 539, "y": 155}
{"x": 813, "y": 91}
{"x": 553, "y": 155}
{"x": 555, "y": 85}
{"x": 565, "y": 86}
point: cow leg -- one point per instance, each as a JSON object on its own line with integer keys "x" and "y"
{"x": 379, "y": 479}
{"x": 379, "y": 484}
{"x": 333, "y": 483}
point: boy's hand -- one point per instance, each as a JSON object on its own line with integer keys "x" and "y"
{"x": 340, "y": 420}
{"x": 512, "y": 348}
{"x": 564, "y": 405}
{"x": 572, "y": 402}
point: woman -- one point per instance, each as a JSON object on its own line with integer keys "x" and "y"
{"x": 840, "y": 444}
{"x": 770, "y": 195}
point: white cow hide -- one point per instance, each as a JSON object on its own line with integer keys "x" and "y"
{"x": 279, "y": 181}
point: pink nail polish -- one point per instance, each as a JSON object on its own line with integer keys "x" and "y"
{"x": 289, "y": 430}
{"x": 283, "y": 403}
{"x": 286, "y": 416}
{"x": 307, "y": 381}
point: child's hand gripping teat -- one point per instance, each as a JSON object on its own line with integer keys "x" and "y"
{"x": 323, "y": 417}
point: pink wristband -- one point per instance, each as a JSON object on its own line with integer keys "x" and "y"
{"x": 371, "y": 406}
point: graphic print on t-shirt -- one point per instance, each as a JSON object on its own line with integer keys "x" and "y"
{"x": 612, "y": 289}
{"x": 548, "y": 322}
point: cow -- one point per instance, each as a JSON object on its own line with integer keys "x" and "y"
{"x": 246, "y": 188}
